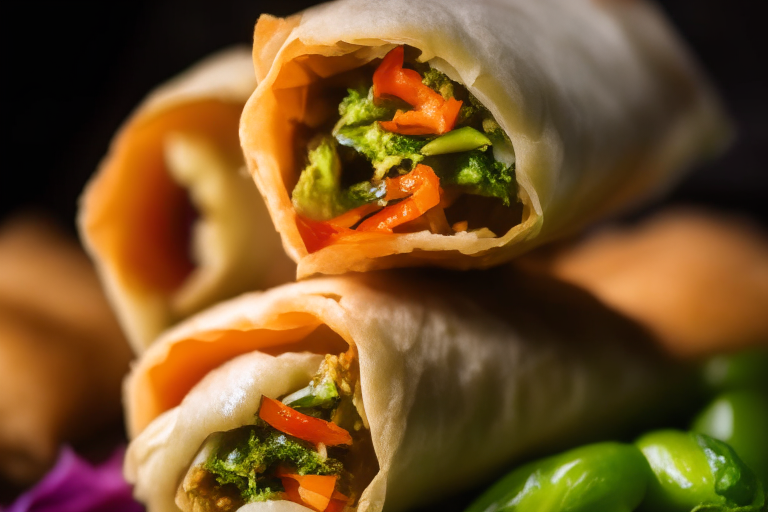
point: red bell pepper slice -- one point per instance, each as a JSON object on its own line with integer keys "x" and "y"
{"x": 432, "y": 114}
{"x": 290, "y": 421}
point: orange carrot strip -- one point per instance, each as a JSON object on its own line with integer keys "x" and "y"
{"x": 432, "y": 114}
{"x": 315, "y": 234}
{"x": 319, "y": 234}
{"x": 291, "y": 487}
{"x": 313, "y": 490}
{"x": 288, "y": 420}
{"x": 336, "y": 505}
{"x": 422, "y": 184}
{"x": 352, "y": 217}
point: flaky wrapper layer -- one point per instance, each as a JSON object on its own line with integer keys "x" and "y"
{"x": 132, "y": 216}
{"x": 602, "y": 103}
{"x": 456, "y": 381}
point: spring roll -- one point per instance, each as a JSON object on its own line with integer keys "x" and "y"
{"x": 172, "y": 219}
{"x": 62, "y": 354}
{"x": 370, "y": 390}
{"x": 460, "y": 134}
{"x": 698, "y": 281}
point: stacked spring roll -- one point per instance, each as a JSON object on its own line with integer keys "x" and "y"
{"x": 393, "y": 133}
{"x": 697, "y": 281}
{"x": 460, "y": 134}
{"x": 412, "y": 388}
{"x": 62, "y": 355}
{"x": 172, "y": 220}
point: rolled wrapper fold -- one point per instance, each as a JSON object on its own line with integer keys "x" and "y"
{"x": 171, "y": 218}
{"x": 602, "y": 103}
{"x": 455, "y": 382}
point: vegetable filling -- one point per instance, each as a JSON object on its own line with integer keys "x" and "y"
{"x": 309, "y": 448}
{"x": 403, "y": 150}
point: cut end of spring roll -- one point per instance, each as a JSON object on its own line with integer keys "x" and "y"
{"x": 589, "y": 108}
{"x": 449, "y": 388}
{"x": 172, "y": 219}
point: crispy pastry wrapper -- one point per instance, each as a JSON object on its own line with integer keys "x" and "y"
{"x": 456, "y": 381}
{"x": 171, "y": 218}
{"x": 603, "y": 104}
{"x": 62, "y": 354}
{"x": 697, "y": 280}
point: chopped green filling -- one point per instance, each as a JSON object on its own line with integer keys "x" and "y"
{"x": 322, "y": 394}
{"x": 358, "y": 108}
{"x": 494, "y": 131}
{"x": 383, "y": 149}
{"x": 478, "y": 173}
{"x": 318, "y": 194}
{"x": 438, "y": 82}
{"x": 245, "y": 458}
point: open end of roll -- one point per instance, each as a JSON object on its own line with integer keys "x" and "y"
{"x": 152, "y": 217}
{"x": 311, "y": 446}
{"x": 385, "y": 145}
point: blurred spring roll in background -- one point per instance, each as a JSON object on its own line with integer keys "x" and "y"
{"x": 459, "y": 134}
{"x": 358, "y": 391}
{"x": 172, "y": 219}
{"x": 696, "y": 280}
{"x": 62, "y": 355}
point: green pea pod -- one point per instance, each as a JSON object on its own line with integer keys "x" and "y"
{"x": 745, "y": 370}
{"x": 609, "y": 477}
{"x": 740, "y": 418}
{"x": 694, "y": 472}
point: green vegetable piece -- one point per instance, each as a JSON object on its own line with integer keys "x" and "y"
{"x": 382, "y": 148}
{"x": 438, "y": 82}
{"x": 323, "y": 394}
{"x": 247, "y": 456}
{"x": 740, "y": 418}
{"x": 597, "y": 477}
{"x": 318, "y": 193}
{"x": 456, "y": 141}
{"x": 358, "y": 108}
{"x": 477, "y": 173}
{"x": 694, "y": 472}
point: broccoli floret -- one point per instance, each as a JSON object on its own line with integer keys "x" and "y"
{"x": 382, "y": 148}
{"x": 438, "y": 82}
{"x": 478, "y": 173}
{"x": 494, "y": 131}
{"x": 245, "y": 454}
{"x": 362, "y": 193}
{"x": 358, "y": 108}
{"x": 318, "y": 194}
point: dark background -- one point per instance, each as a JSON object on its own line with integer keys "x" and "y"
{"x": 78, "y": 68}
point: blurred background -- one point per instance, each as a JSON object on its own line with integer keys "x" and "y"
{"x": 81, "y": 67}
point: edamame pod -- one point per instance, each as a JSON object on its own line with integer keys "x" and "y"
{"x": 602, "y": 477}
{"x": 740, "y": 418}
{"x": 694, "y": 472}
